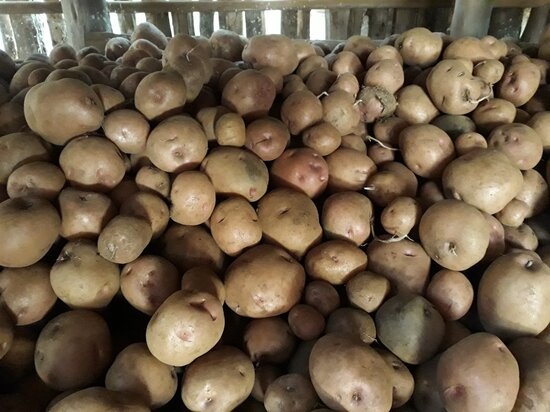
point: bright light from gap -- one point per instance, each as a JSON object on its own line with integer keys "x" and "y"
{"x": 272, "y": 20}
{"x": 115, "y": 24}
{"x": 197, "y": 23}
{"x": 317, "y": 28}
{"x": 216, "y": 21}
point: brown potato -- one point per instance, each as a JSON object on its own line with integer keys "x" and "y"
{"x": 149, "y": 32}
{"x": 519, "y": 83}
{"x": 12, "y": 118}
{"x": 19, "y": 81}
{"x": 289, "y": 219}
{"x": 92, "y": 163}
{"x": 204, "y": 388}
{"x": 128, "y": 129}
{"x": 160, "y": 95}
{"x": 347, "y": 62}
{"x": 197, "y": 335}
{"x": 454, "y": 333}
{"x": 490, "y": 70}
{"x": 267, "y": 137}
{"x": 469, "y": 142}
{"x": 177, "y": 144}
{"x": 97, "y": 398}
{"x": 534, "y": 193}
{"x": 149, "y": 65}
{"x": 401, "y": 377}
{"x": 124, "y": 238}
{"x": 340, "y": 110}
{"x": 357, "y": 363}
{"x": 497, "y": 375}
{"x": 82, "y": 279}
{"x": 208, "y": 116}
{"x": 38, "y": 179}
{"x": 235, "y": 171}
{"x": 426, "y": 396}
{"x": 20, "y": 243}
{"x": 310, "y": 64}
{"x": 230, "y": 130}
{"x": 306, "y": 322}
{"x": 263, "y": 281}
{"x": 250, "y": 94}
{"x": 18, "y": 361}
{"x": 414, "y": 105}
{"x": 129, "y": 85}
{"x": 152, "y": 179}
{"x": 39, "y": 75}
{"x": 275, "y": 76}
{"x": 454, "y": 234}
{"x": 193, "y": 198}
{"x": 59, "y": 74}
{"x": 148, "y": 281}
{"x": 109, "y": 97}
{"x": 387, "y": 130}
{"x": 264, "y": 375}
{"x": 494, "y": 173}
{"x": 319, "y": 81}
{"x": 392, "y": 180}
{"x": 493, "y": 113}
{"x": 540, "y": 123}
{"x": 387, "y": 74}
{"x": 301, "y": 110}
{"x": 322, "y": 296}
{"x": 322, "y": 137}
{"x": 135, "y": 371}
{"x": 522, "y": 237}
{"x": 362, "y": 46}
{"x": 404, "y": 263}
{"x": 18, "y": 149}
{"x": 73, "y": 350}
{"x": 383, "y": 53}
{"x": 273, "y": 50}
{"x": 190, "y": 246}
{"x": 335, "y": 261}
{"x": 451, "y": 293}
{"x": 203, "y": 279}
{"x": 121, "y": 72}
{"x": 226, "y": 44}
{"x": 521, "y": 144}
{"x": 62, "y": 51}
{"x": 234, "y": 225}
{"x": 470, "y": 48}
{"x": 380, "y": 154}
{"x": 513, "y": 214}
{"x": 353, "y": 323}
{"x": 400, "y": 216}
{"x": 348, "y": 170}
{"x": 346, "y": 82}
{"x": 411, "y": 344}
{"x": 290, "y": 393}
{"x": 269, "y": 340}
{"x": 419, "y": 47}
{"x": 367, "y": 290}
{"x": 496, "y": 239}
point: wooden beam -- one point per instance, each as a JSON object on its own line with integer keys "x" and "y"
{"x": 83, "y": 17}
{"x": 471, "y": 18}
{"x": 506, "y": 22}
{"x": 535, "y": 24}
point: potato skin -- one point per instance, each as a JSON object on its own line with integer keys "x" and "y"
{"x": 249, "y": 93}
{"x": 290, "y": 393}
{"x": 451, "y": 293}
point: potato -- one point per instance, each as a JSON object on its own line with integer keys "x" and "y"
{"x": 522, "y": 237}
{"x": 426, "y": 150}
{"x": 38, "y": 75}
{"x": 109, "y": 97}
{"x": 208, "y": 116}
{"x": 7, "y": 331}
{"x": 387, "y": 130}
{"x": 268, "y": 340}
{"x": 153, "y": 180}
{"x": 532, "y": 357}
{"x": 387, "y": 74}
{"x": 17, "y": 149}
{"x": 193, "y": 198}
{"x": 226, "y": 44}
{"x": 347, "y": 62}
{"x": 177, "y": 144}
{"x": 490, "y": 70}
{"x": 291, "y": 83}
{"x": 249, "y": 93}
{"x": 414, "y": 106}
{"x": 453, "y": 90}
{"x": 347, "y": 215}
{"x": 20, "y": 243}
{"x": 264, "y": 375}
{"x": 92, "y": 163}
{"x": 354, "y": 323}
{"x": 73, "y": 350}
{"x": 18, "y": 361}
{"x": 290, "y": 393}
{"x": 116, "y": 47}
{"x": 230, "y": 130}
{"x": 12, "y": 118}
{"x": 513, "y": 213}
{"x": 135, "y": 371}
{"x": 322, "y": 296}
{"x": 367, "y": 290}
{"x": 203, "y": 279}
{"x": 306, "y": 322}
{"x": 451, "y": 293}
{"x": 62, "y": 51}
{"x": 95, "y": 399}
{"x": 497, "y": 375}
{"x": 348, "y": 170}
{"x": 392, "y": 180}
{"x": 148, "y": 281}
{"x": 496, "y": 239}
{"x": 498, "y": 180}
{"x": 20, "y": 79}
{"x": 519, "y": 83}
{"x": 310, "y": 64}
{"x": 470, "y": 48}
{"x": 400, "y": 216}
{"x": 149, "y": 32}
{"x": 184, "y": 45}
{"x": 129, "y": 85}
{"x": 417, "y": 344}
{"x": 540, "y": 122}
{"x": 38, "y": 179}
{"x": 346, "y": 82}
{"x": 373, "y": 103}
{"x": 267, "y": 137}
{"x": 206, "y": 389}
{"x": 235, "y": 171}
{"x": 383, "y": 53}
{"x": 362, "y": 46}
{"x": 65, "y": 98}
{"x": 419, "y": 47}
{"x": 149, "y": 65}
{"x": 340, "y": 110}
{"x": 160, "y": 94}
{"x": 493, "y": 113}
{"x": 190, "y": 246}
{"x": 263, "y": 281}
{"x": 521, "y": 144}
{"x": 272, "y": 50}
{"x": 534, "y": 193}
{"x": 335, "y": 261}
{"x": 469, "y": 142}
{"x": 120, "y": 73}
{"x": 454, "y": 234}
{"x": 322, "y": 137}
{"x": 124, "y": 238}
{"x": 301, "y": 110}
{"x": 128, "y": 129}
{"x": 380, "y": 154}
{"x": 319, "y": 81}
{"x": 401, "y": 377}
{"x": 426, "y": 396}
{"x": 358, "y": 363}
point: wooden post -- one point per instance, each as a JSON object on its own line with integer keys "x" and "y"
{"x": 405, "y": 19}
{"x": 255, "y": 23}
{"x": 441, "y": 20}
{"x": 337, "y": 24}
{"x": 83, "y": 17}
{"x": 8, "y": 35}
{"x": 536, "y": 23}
{"x": 207, "y": 24}
{"x": 506, "y": 22}
{"x": 471, "y": 18}
{"x": 303, "y": 24}
{"x": 289, "y": 23}
{"x": 380, "y": 22}
{"x": 126, "y": 21}
{"x": 56, "y": 25}
{"x": 27, "y": 35}
{"x": 355, "y": 21}
{"x": 183, "y": 23}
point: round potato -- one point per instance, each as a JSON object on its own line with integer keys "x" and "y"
{"x": 519, "y": 83}
{"x": 340, "y": 110}
{"x": 110, "y": 98}
{"x": 400, "y": 216}
{"x": 128, "y": 129}
{"x": 469, "y": 142}
{"x": 451, "y": 293}
{"x": 419, "y": 47}
{"x": 306, "y": 322}
{"x": 490, "y": 70}
{"x": 493, "y": 113}
{"x": 414, "y": 106}
{"x": 290, "y": 393}
{"x": 323, "y": 137}
{"x": 160, "y": 94}
{"x": 124, "y": 238}
{"x": 249, "y": 93}
{"x": 352, "y": 322}
{"x": 367, "y": 290}
{"x": 301, "y": 110}
{"x": 38, "y": 179}
{"x": 322, "y": 296}
{"x": 540, "y": 123}
{"x": 426, "y": 396}
{"x": 230, "y": 130}
{"x": 267, "y": 137}
{"x": 203, "y": 279}
{"x": 383, "y": 53}
{"x": 348, "y": 170}
{"x": 226, "y": 44}
{"x": 521, "y": 144}
{"x": 18, "y": 149}
{"x": 153, "y": 180}
{"x": 193, "y": 198}
{"x": 272, "y": 50}
{"x": 269, "y": 340}
{"x": 387, "y": 74}
{"x": 401, "y": 377}
{"x": 392, "y": 180}
{"x": 319, "y": 81}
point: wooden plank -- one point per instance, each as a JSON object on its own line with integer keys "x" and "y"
{"x": 183, "y": 23}
{"x": 303, "y": 31}
{"x": 471, "y": 18}
{"x": 380, "y": 22}
{"x": 85, "y": 17}
{"x": 506, "y": 22}
{"x": 161, "y": 20}
{"x": 57, "y": 27}
{"x": 7, "y": 35}
{"x": 337, "y": 24}
{"x": 536, "y": 23}
{"x": 207, "y": 24}
{"x": 126, "y": 21}
{"x": 231, "y": 20}
{"x": 27, "y": 34}
{"x": 255, "y": 23}
{"x": 355, "y": 21}
{"x": 289, "y": 23}
{"x": 441, "y": 20}
{"x": 404, "y": 20}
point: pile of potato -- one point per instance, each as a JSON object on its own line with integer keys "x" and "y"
{"x": 278, "y": 225}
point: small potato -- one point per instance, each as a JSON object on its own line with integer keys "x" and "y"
{"x": 234, "y": 225}
{"x": 292, "y": 83}
{"x": 152, "y": 179}
{"x": 392, "y": 180}
{"x": 73, "y": 350}
{"x": 353, "y": 323}
{"x": 335, "y": 261}
{"x": 540, "y": 123}
{"x": 269, "y": 340}
{"x": 320, "y": 80}
{"x": 148, "y": 281}
{"x": 387, "y": 130}
{"x": 367, "y": 290}
{"x": 230, "y": 130}
{"x": 310, "y": 64}
{"x": 290, "y": 393}
{"x": 250, "y": 94}
{"x": 226, "y": 44}
{"x": 347, "y": 62}
{"x": 469, "y": 142}
{"x": 306, "y": 322}
{"x": 362, "y": 46}
{"x": 493, "y": 113}
{"x": 128, "y": 129}
{"x": 414, "y": 106}
{"x": 521, "y": 237}
{"x": 60, "y": 52}
{"x": 489, "y": 70}
{"x": 383, "y": 53}
{"x": 513, "y": 214}
{"x": 59, "y": 74}
{"x": 323, "y": 137}
{"x": 39, "y": 179}
{"x": 289, "y": 219}
{"x": 347, "y": 215}
{"x": 208, "y": 116}
{"x": 109, "y": 97}
{"x": 267, "y": 137}
{"x": 519, "y": 83}
{"x": 348, "y": 170}
{"x": 18, "y": 361}
{"x": 401, "y": 216}
{"x": 401, "y": 377}
{"x": 149, "y": 65}
{"x": 193, "y": 198}
{"x": 275, "y": 77}
{"x": 202, "y": 329}
{"x": 218, "y": 381}
{"x": 124, "y": 239}
{"x": 380, "y": 154}
{"x": 346, "y": 82}
{"x": 203, "y": 279}
{"x": 120, "y": 73}
{"x": 340, "y": 110}
{"x": 322, "y": 296}
{"x": 149, "y": 207}
{"x": 387, "y": 74}
{"x": 451, "y": 293}
{"x": 521, "y": 144}
{"x": 419, "y": 47}
{"x": 18, "y": 149}
{"x": 534, "y": 193}
{"x": 301, "y": 110}
{"x": 160, "y": 94}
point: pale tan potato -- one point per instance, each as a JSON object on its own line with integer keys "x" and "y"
{"x": 540, "y": 123}
{"x": 234, "y": 225}
{"x": 367, "y": 290}
{"x": 382, "y": 53}
{"x": 347, "y": 82}
{"x": 135, "y": 371}
{"x": 322, "y": 137}
{"x": 152, "y": 179}
{"x": 469, "y": 142}
{"x": 309, "y": 64}
{"x": 203, "y": 279}
{"x": 18, "y": 149}
{"x": 351, "y": 322}
{"x": 348, "y": 170}
{"x": 387, "y": 74}
{"x": 301, "y": 110}
{"x": 387, "y": 130}
{"x": 160, "y": 94}
{"x": 124, "y": 238}
{"x": 380, "y": 154}
{"x": 148, "y": 281}
{"x": 392, "y": 179}
{"x": 82, "y": 279}
{"x": 128, "y": 129}
{"x": 230, "y": 130}
{"x": 451, "y": 293}
{"x": 147, "y": 206}
{"x": 521, "y": 237}
{"x": 534, "y": 192}
{"x": 490, "y": 70}
{"x": 322, "y": 296}
{"x": 340, "y": 110}
{"x": 38, "y": 179}
{"x": 414, "y": 105}
{"x": 400, "y": 216}
{"x": 513, "y": 214}
{"x": 419, "y": 47}
{"x": 109, "y": 97}
{"x": 207, "y": 116}
{"x": 519, "y": 83}
{"x": 273, "y": 50}
{"x": 95, "y": 399}
{"x": 493, "y": 113}
{"x": 362, "y": 46}
{"x": 521, "y": 144}
{"x": 193, "y": 198}
{"x": 470, "y": 48}
{"x": 267, "y": 137}
{"x": 401, "y": 377}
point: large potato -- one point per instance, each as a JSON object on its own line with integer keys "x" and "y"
{"x": 519, "y": 142}
{"x": 341, "y": 111}
{"x": 149, "y": 32}
{"x": 160, "y": 94}
{"x": 387, "y": 74}
{"x": 419, "y": 47}
{"x": 250, "y": 93}
{"x": 38, "y": 179}
{"x": 301, "y": 110}
{"x": 519, "y": 83}
{"x": 269, "y": 340}
{"x": 493, "y": 113}
{"x": 273, "y": 50}
{"x": 414, "y": 106}
{"x": 267, "y": 137}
